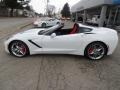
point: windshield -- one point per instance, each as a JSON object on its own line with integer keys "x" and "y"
{"x": 43, "y": 19}
{"x": 49, "y": 30}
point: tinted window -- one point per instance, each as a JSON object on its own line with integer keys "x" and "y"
{"x": 83, "y": 29}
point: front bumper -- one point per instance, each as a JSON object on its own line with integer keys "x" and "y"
{"x": 6, "y": 46}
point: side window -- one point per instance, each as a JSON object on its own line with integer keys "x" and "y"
{"x": 53, "y": 19}
{"x": 57, "y": 31}
{"x": 83, "y": 30}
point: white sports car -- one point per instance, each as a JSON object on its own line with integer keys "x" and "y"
{"x": 46, "y": 22}
{"x": 92, "y": 42}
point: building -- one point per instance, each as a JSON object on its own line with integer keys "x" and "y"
{"x": 3, "y": 10}
{"x": 108, "y": 12}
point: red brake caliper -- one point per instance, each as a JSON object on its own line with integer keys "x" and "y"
{"x": 90, "y": 50}
{"x": 23, "y": 48}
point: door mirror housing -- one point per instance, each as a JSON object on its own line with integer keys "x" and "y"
{"x": 53, "y": 35}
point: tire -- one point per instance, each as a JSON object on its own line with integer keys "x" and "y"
{"x": 58, "y": 22}
{"x": 44, "y": 25}
{"x": 95, "y": 51}
{"x": 18, "y": 49}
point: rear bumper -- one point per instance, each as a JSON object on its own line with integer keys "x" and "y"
{"x": 113, "y": 45}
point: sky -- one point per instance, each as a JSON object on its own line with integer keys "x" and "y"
{"x": 39, "y": 5}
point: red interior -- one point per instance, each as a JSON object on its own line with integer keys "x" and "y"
{"x": 74, "y": 30}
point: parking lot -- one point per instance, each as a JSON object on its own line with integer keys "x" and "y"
{"x": 58, "y": 72}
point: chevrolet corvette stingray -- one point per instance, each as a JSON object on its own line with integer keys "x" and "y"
{"x": 92, "y": 42}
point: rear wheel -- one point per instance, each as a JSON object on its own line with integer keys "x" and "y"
{"x": 95, "y": 51}
{"x": 58, "y": 22}
{"x": 18, "y": 49}
{"x": 44, "y": 25}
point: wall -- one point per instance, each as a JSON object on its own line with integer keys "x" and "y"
{"x": 85, "y": 4}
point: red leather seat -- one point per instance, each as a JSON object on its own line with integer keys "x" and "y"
{"x": 74, "y": 30}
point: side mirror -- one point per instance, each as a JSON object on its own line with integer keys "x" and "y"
{"x": 53, "y": 35}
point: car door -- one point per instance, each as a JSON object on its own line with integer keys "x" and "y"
{"x": 62, "y": 44}
{"x": 36, "y": 44}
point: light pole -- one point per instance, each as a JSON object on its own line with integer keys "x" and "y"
{"x": 47, "y": 8}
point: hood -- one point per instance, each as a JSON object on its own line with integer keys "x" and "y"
{"x": 28, "y": 34}
{"x": 31, "y": 31}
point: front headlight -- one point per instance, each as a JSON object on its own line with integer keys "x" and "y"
{"x": 35, "y": 23}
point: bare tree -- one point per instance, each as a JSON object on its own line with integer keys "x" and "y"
{"x": 51, "y": 10}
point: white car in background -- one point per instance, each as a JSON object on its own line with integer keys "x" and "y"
{"x": 47, "y": 22}
{"x": 96, "y": 20}
{"x": 92, "y": 42}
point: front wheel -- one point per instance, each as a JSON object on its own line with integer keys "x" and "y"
{"x": 18, "y": 49}
{"x": 95, "y": 51}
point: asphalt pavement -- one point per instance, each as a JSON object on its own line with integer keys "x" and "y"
{"x": 11, "y": 25}
{"x": 11, "y": 22}
{"x": 58, "y": 72}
